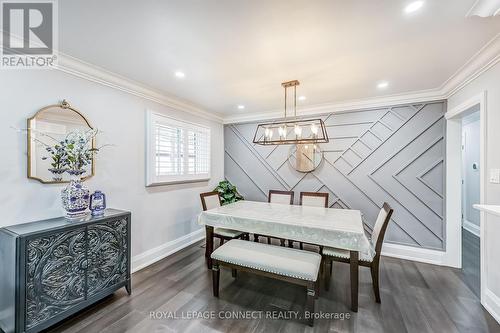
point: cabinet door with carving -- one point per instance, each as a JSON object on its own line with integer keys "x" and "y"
{"x": 107, "y": 254}
{"x": 55, "y": 274}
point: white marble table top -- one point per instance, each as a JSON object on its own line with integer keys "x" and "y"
{"x": 339, "y": 228}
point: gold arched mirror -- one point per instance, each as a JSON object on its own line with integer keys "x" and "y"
{"x": 49, "y": 130}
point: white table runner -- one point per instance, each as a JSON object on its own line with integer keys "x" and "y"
{"x": 339, "y": 228}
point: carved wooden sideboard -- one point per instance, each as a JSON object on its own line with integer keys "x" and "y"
{"x": 54, "y": 268}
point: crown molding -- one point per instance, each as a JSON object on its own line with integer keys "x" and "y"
{"x": 90, "y": 72}
{"x": 346, "y": 106}
{"x": 487, "y": 57}
{"x": 484, "y": 59}
{"x": 485, "y": 8}
{"x": 79, "y": 68}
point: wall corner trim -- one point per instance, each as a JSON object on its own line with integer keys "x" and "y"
{"x": 158, "y": 253}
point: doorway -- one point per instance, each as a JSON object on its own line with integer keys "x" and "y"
{"x": 470, "y": 196}
{"x": 457, "y": 254}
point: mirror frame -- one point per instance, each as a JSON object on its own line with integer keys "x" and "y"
{"x": 65, "y": 106}
{"x": 290, "y": 153}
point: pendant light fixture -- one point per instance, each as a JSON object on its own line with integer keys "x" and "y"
{"x": 291, "y": 130}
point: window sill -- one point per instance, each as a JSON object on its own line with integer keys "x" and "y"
{"x": 176, "y": 182}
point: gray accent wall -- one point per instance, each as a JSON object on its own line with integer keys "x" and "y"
{"x": 393, "y": 154}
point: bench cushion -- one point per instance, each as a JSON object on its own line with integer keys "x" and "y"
{"x": 283, "y": 261}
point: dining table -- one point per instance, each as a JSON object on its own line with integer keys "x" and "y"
{"x": 325, "y": 227}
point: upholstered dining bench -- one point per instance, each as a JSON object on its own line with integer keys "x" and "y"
{"x": 286, "y": 264}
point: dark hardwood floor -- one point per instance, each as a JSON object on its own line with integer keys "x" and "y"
{"x": 415, "y": 298}
{"x": 471, "y": 258}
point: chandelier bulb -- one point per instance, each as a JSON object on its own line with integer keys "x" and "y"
{"x": 314, "y": 129}
{"x": 298, "y": 130}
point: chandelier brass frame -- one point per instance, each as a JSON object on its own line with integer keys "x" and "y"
{"x": 296, "y": 131}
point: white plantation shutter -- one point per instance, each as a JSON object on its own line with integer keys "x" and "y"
{"x": 177, "y": 151}
{"x": 169, "y": 150}
{"x": 198, "y": 152}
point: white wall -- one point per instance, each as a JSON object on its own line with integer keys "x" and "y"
{"x": 489, "y": 81}
{"x": 161, "y": 216}
{"x": 470, "y": 157}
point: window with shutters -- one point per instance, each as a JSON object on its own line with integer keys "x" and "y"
{"x": 177, "y": 151}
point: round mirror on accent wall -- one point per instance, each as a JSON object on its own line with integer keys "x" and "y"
{"x": 305, "y": 157}
{"x": 52, "y": 146}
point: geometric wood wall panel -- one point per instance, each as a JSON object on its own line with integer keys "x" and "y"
{"x": 394, "y": 154}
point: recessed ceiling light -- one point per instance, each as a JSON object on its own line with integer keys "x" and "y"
{"x": 382, "y": 84}
{"x": 413, "y": 6}
{"x": 180, "y": 74}
{"x": 302, "y": 98}
{"x": 241, "y": 107}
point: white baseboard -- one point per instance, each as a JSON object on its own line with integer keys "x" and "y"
{"x": 471, "y": 227}
{"x": 434, "y": 257}
{"x": 491, "y": 303}
{"x": 149, "y": 257}
{"x": 405, "y": 252}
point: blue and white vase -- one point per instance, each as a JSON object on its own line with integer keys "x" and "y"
{"x": 75, "y": 197}
{"x": 97, "y": 203}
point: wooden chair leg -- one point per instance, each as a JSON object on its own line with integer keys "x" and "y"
{"x": 354, "y": 263}
{"x": 234, "y": 273}
{"x": 256, "y": 238}
{"x": 375, "y": 279}
{"x": 301, "y": 245}
{"x": 209, "y": 245}
{"x": 328, "y": 273}
{"x": 215, "y": 278}
{"x": 290, "y": 243}
{"x": 316, "y": 288}
{"x": 282, "y": 242}
{"x": 311, "y": 297}
{"x": 221, "y": 241}
{"x": 268, "y": 240}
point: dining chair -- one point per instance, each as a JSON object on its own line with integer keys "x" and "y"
{"x": 281, "y": 197}
{"x": 377, "y": 239}
{"x": 211, "y": 200}
{"x": 311, "y": 199}
{"x": 314, "y": 199}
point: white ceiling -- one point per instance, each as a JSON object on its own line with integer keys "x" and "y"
{"x": 238, "y": 52}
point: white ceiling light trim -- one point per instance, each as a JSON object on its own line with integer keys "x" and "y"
{"x": 413, "y": 7}
{"x": 485, "y": 8}
{"x": 382, "y": 84}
